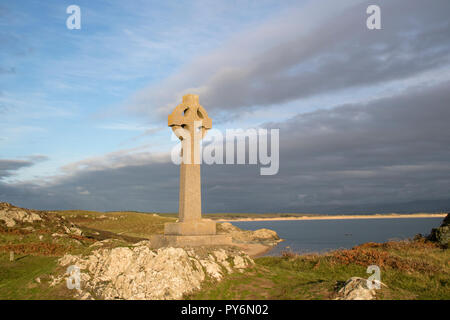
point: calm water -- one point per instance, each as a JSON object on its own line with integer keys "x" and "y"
{"x": 323, "y": 235}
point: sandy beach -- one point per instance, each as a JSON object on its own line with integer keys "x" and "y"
{"x": 343, "y": 217}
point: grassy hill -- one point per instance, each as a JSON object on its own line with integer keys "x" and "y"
{"x": 415, "y": 269}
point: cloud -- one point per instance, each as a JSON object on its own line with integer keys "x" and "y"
{"x": 384, "y": 154}
{"x": 117, "y": 159}
{"x": 7, "y": 167}
{"x": 389, "y": 154}
{"x": 317, "y": 48}
{"x": 390, "y": 150}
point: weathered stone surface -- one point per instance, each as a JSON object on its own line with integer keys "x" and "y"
{"x": 181, "y": 241}
{"x": 191, "y": 228}
{"x": 190, "y": 122}
{"x": 356, "y": 289}
{"x": 442, "y": 234}
{"x": 142, "y": 273}
{"x": 30, "y": 220}
{"x": 263, "y": 236}
{"x": 12, "y": 215}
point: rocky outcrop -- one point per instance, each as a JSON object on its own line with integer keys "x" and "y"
{"x": 263, "y": 236}
{"x": 11, "y": 215}
{"x": 140, "y": 272}
{"x": 31, "y": 220}
{"x": 356, "y": 288}
{"x": 441, "y": 235}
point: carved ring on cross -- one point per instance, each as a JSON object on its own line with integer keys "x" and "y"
{"x": 191, "y": 116}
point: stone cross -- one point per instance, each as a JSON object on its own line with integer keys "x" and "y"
{"x": 190, "y": 122}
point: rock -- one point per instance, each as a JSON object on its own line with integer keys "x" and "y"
{"x": 441, "y": 235}
{"x": 86, "y": 296}
{"x": 76, "y": 231}
{"x": 239, "y": 263}
{"x": 58, "y": 235}
{"x": 356, "y": 289}
{"x": 55, "y": 280}
{"x": 228, "y": 227}
{"x": 13, "y": 215}
{"x": 32, "y": 220}
{"x": 104, "y": 242}
{"x": 222, "y": 257}
{"x": 263, "y": 236}
{"x": 140, "y": 272}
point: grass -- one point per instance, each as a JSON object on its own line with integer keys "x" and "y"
{"x": 134, "y": 224}
{"x": 279, "y": 278}
{"x": 18, "y": 278}
{"x": 411, "y": 270}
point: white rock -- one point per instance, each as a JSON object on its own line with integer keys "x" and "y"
{"x": 140, "y": 272}
{"x": 239, "y": 262}
{"x": 356, "y": 289}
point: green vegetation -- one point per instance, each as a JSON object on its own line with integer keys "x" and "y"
{"x": 18, "y": 278}
{"x": 411, "y": 270}
{"x": 134, "y": 224}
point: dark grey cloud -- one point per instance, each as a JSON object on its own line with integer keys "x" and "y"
{"x": 316, "y": 49}
{"x": 391, "y": 150}
{"x": 390, "y": 154}
{"x": 7, "y": 167}
{"x": 340, "y": 53}
{"x": 144, "y": 187}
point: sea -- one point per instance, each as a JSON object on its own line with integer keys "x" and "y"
{"x": 307, "y": 236}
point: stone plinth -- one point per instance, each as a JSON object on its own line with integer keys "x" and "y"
{"x": 158, "y": 241}
{"x": 191, "y": 228}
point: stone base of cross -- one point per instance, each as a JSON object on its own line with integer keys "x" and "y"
{"x": 190, "y": 122}
{"x": 191, "y": 228}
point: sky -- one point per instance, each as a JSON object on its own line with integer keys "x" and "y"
{"x": 362, "y": 114}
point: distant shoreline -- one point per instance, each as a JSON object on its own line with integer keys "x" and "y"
{"x": 340, "y": 217}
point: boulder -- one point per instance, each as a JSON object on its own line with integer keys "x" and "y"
{"x": 139, "y": 272}
{"x": 356, "y": 288}
{"x": 263, "y": 236}
{"x": 12, "y": 215}
{"x": 441, "y": 235}
{"x": 32, "y": 220}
